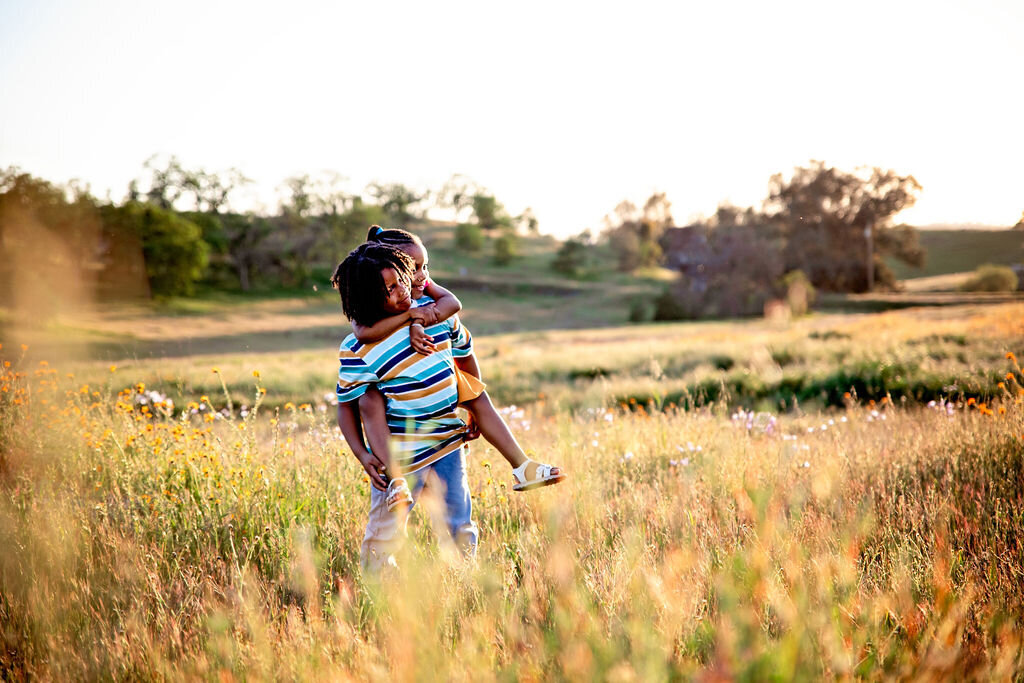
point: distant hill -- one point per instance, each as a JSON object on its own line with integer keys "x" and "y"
{"x": 955, "y": 251}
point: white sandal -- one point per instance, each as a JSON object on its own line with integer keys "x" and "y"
{"x": 398, "y": 494}
{"x": 542, "y": 476}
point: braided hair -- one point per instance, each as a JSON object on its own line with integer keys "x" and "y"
{"x": 359, "y": 281}
{"x": 396, "y": 237}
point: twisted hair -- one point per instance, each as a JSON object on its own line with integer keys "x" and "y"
{"x": 396, "y": 237}
{"x": 359, "y": 281}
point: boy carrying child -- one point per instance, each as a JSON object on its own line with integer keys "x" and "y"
{"x": 420, "y": 395}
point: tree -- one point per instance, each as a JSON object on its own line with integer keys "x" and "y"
{"x": 328, "y": 194}
{"x": 572, "y": 257}
{"x": 52, "y": 242}
{"x": 636, "y": 236}
{"x": 489, "y": 212}
{"x": 457, "y": 195}
{"x": 297, "y": 199}
{"x": 830, "y": 219}
{"x": 506, "y": 248}
{"x": 168, "y": 182}
{"x": 172, "y": 246}
{"x": 165, "y": 184}
{"x": 211, "y": 191}
{"x": 397, "y": 201}
{"x": 740, "y": 269}
{"x": 347, "y": 230}
{"x": 527, "y": 221}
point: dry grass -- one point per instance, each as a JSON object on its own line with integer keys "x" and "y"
{"x": 758, "y": 362}
{"x": 876, "y": 541}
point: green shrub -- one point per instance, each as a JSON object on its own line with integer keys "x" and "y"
{"x": 506, "y": 248}
{"x": 571, "y": 258}
{"x": 991, "y": 278}
{"x": 469, "y": 237}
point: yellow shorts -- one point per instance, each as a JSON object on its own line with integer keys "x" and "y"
{"x": 469, "y": 386}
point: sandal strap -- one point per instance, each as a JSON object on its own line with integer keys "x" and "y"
{"x": 542, "y": 472}
{"x": 398, "y": 490}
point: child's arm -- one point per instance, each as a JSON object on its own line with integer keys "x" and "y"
{"x": 381, "y": 328}
{"x": 469, "y": 365}
{"x": 351, "y": 429}
{"x": 445, "y": 306}
{"x": 445, "y": 303}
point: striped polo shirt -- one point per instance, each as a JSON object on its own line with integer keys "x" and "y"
{"x": 420, "y": 391}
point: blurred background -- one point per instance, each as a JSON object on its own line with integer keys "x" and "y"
{"x": 180, "y": 181}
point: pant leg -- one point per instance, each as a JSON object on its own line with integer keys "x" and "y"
{"x": 385, "y": 530}
{"x": 451, "y": 471}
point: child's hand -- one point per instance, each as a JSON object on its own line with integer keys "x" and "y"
{"x": 425, "y": 314}
{"x": 374, "y": 469}
{"x": 421, "y": 341}
{"x": 472, "y": 428}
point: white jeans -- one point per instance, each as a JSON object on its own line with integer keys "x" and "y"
{"x": 385, "y": 531}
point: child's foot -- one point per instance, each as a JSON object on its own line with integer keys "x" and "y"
{"x": 398, "y": 494}
{"x": 533, "y": 475}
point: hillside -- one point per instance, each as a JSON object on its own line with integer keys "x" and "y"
{"x": 956, "y": 251}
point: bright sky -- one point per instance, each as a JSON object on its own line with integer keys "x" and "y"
{"x": 565, "y": 107}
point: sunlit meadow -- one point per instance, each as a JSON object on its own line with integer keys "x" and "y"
{"x": 217, "y": 536}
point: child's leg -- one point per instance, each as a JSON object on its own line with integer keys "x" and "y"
{"x": 385, "y": 530}
{"x": 496, "y": 431}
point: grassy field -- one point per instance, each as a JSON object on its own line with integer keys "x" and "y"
{"x": 836, "y": 496}
{"x": 921, "y": 353}
{"x": 957, "y": 251}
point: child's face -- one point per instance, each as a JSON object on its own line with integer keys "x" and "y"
{"x": 397, "y": 290}
{"x": 419, "y": 276}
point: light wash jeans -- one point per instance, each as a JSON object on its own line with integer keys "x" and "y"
{"x": 385, "y": 531}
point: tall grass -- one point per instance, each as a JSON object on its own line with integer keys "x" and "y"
{"x": 142, "y": 540}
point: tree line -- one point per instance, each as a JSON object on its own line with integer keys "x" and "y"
{"x": 176, "y": 229}
{"x": 820, "y": 228}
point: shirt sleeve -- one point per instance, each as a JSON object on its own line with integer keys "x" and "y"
{"x": 354, "y": 376}
{"x": 462, "y": 340}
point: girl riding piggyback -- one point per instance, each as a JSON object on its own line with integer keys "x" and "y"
{"x": 432, "y": 304}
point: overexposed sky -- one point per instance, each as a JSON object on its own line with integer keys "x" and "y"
{"x": 565, "y": 107}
